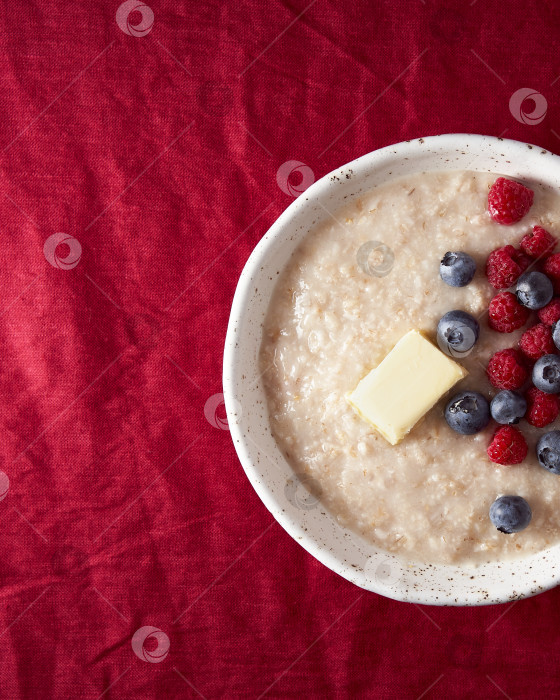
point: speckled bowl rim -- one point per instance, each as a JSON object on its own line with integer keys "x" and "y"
{"x": 315, "y": 529}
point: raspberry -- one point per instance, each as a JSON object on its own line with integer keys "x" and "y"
{"x": 505, "y": 265}
{"x": 550, "y": 313}
{"x": 524, "y": 261}
{"x": 508, "y": 446}
{"x": 542, "y": 409}
{"x": 537, "y": 341}
{"x": 506, "y": 314}
{"x": 506, "y": 369}
{"x": 509, "y": 201}
{"x": 552, "y": 269}
{"x": 538, "y": 243}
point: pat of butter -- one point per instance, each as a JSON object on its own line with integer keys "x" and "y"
{"x": 408, "y": 382}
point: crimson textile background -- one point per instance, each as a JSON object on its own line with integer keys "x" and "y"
{"x": 139, "y": 152}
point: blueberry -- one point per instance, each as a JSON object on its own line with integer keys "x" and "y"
{"x": 556, "y": 334}
{"x": 534, "y": 290}
{"x": 548, "y": 451}
{"x": 510, "y": 514}
{"x": 546, "y": 374}
{"x": 457, "y": 269}
{"x": 508, "y": 407}
{"x": 457, "y": 332}
{"x": 467, "y": 413}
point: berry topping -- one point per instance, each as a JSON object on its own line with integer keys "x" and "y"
{"x": 457, "y": 332}
{"x": 509, "y": 201}
{"x": 548, "y": 451}
{"x": 546, "y": 374}
{"x": 537, "y": 243}
{"x": 506, "y": 369}
{"x": 506, "y": 314}
{"x": 457, "y": 269}
{"x": 467, "y": 413}
{"x": 542, "y": 408}
{"x": 552, "y": 268}
{"x": 505, "y": 265}
{"x": 510, "y": 514}
{"x": 550, "y": 313}
{"x": 537, "y": 341}
{"x": 508, "y": 407}
{"x": 508, "y": 446}
{"x": 524, "y": 261}
{"x": 534, "y": 290}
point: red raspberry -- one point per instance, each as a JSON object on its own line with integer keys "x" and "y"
{"x": 552, "y": 269}
{"x": 508, "y": 446}
{"x": 505, "y": 265}
{"x": 506, "y": 369}
{"x": 509, "y": 201}
{"x": 550, "y": 313}
{"x": 538, "y": 243}
{"x": 542, "y": 409}
{"x": 524, "y": 261}
{"x": 506, "y": 314}
{"x": 537, "y": 341}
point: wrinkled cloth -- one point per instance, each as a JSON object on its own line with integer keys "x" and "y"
{"x": 139, "y": 163}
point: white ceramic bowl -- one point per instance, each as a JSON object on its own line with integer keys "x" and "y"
{"x": 282, "y": 491}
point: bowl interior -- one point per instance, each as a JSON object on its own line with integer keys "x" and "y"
{"x": 288, "y": 496}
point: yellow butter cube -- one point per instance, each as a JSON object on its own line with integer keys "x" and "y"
{"x": 408, "y": 382}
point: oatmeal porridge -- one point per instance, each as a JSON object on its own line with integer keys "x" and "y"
{"x": 331, "y": 321}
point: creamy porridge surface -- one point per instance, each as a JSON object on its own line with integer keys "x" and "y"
{"x": 329, "y": 323}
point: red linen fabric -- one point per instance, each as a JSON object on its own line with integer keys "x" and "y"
{"x": 152, "y": 144}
